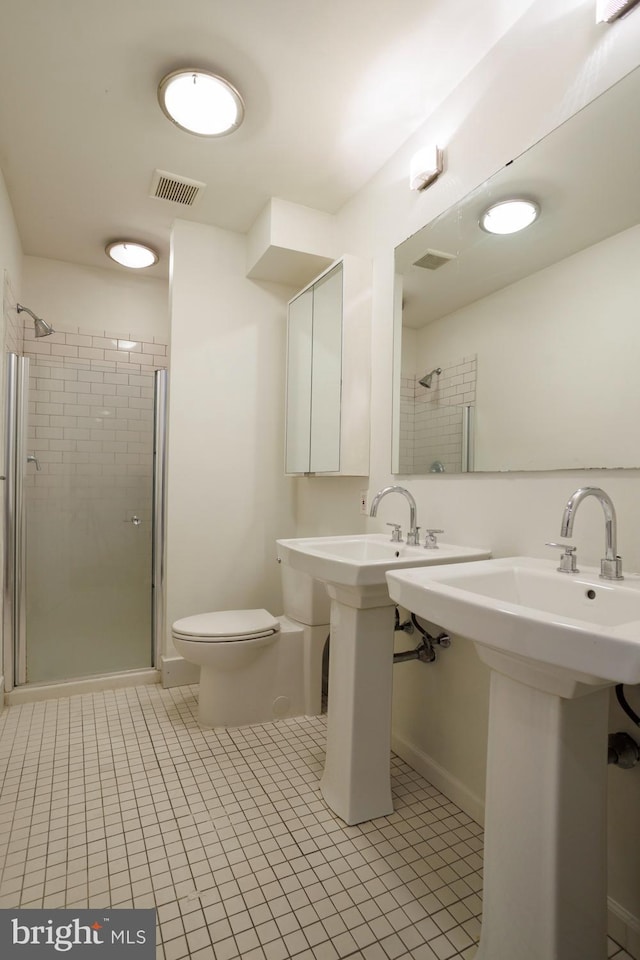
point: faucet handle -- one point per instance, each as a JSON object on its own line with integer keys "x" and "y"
{"x": 567, "y": 559}
{"x": 431, "y": 538}
{"x": 396, "y": 533}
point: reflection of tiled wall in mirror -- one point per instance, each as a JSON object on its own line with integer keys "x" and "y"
{"x": 407, "y": 423}
{"x": 431, "y": 419}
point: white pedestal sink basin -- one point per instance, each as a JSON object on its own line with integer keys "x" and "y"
{"x": 554, "y": 642}
{"x": 356, "y": 781}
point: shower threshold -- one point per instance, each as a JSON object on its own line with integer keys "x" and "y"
{"x": 45, "y": 690}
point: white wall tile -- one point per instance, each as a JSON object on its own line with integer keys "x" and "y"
{"x": 90, "y": 353}
{"x": 63, "y": 350}
{"x": 92, "y": 417}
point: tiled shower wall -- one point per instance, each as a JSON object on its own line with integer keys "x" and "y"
{"x": 431, "y": 419}
{"x": 90, "y": 410}
{"x": 90, "y": 426}
{"x": 12, "y": 322}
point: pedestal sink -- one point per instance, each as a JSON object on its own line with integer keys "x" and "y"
{"x": 356, "y": 781}
{"x": 555, "y": 642}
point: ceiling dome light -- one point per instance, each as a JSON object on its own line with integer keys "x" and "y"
{"x": 509, "y": 216}
{"x": 130, "y": 254}
{"x": 201, "y": 102}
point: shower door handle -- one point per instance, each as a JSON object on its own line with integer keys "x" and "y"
{"x": 33, "y": 459}
{"x": 136, "y": 521}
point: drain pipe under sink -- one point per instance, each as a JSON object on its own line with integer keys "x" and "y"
{"x": 424, "y": 651}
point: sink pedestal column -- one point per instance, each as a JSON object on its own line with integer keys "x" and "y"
{"x": 545, "y": 871}
{"x": 356, "y": 783}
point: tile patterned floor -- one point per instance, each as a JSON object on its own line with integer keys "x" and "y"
{"x": 120, "y": 799}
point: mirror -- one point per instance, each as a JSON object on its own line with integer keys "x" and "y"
{"x": 536, "y": 334}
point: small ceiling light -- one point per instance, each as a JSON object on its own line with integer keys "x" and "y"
{"x": 609, "y": 10}
{"x": 130, "y": 254}
{"x": 426, "y": 166}
{"x": 509, "y": 216}
{"x": 201, "y": 102}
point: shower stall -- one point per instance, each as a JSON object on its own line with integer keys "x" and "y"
{"x": 84, "y": 508}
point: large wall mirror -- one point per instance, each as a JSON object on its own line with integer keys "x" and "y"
{"x": 522, "y": 351}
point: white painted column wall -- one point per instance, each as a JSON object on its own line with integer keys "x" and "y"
{"x": 228, "y": 497}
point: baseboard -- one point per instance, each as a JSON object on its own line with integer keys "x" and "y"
{"x": 178, "y": 672}
{"x": 1, "y": 694}
{"x": 35, "y": 692}
{"x": 624, "y": 928}
{"x": 440, "y": 778}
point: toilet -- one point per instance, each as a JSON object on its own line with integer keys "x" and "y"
{"x": 255, "y": 667}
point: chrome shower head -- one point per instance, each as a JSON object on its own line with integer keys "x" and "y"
{"x": 42, "y": 328}
{"x": 428, "y": 377}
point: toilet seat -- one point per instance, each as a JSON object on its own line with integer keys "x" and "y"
{"x": 222, "y": 626}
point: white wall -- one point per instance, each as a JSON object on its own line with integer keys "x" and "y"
{"x": 228, "y": 497}
{"x": 10, "y": 245}
{"x": 96, "y": 301}
{"x": 550, "y": 64}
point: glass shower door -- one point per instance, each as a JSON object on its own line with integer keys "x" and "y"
{"x": 87, "y": 492}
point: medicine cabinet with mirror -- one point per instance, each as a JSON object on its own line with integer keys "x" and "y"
{"x": 328, "y": 373}
{"x": 532, "y": 339}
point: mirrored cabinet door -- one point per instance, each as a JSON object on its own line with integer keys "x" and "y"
{"x": 299, "y": 357}
{"x": 328, "y": 370}
{"x": 326, "y": 373}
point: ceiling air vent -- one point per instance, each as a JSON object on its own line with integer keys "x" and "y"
{"x": 169, "y": 186}
{"x": 433, "y": 259}
{"x": 609, "y": 10}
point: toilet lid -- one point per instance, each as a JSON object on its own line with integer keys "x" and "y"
{"x": 223, "y": 625}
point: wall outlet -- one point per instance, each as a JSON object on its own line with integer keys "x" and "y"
{"x": 364, "y": 504}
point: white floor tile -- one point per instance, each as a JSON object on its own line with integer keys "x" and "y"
{"x": 118, "y": 798}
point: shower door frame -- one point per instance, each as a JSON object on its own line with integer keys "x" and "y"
{"x": 158, "y": 513}
{"x": 14, "y": 366}
{"x": 14, "y": 588}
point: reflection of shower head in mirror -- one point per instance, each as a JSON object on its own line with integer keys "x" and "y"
{"x": 428, "y": 377}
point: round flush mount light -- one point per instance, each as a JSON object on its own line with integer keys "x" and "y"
{"x": 509, "y": 216}
{"x": 130, "y": 254}
{"x": 201, "y": 102}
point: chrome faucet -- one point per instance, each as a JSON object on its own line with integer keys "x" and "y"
{"x": 611, "y": 563}
{"x": 413, "y": 534}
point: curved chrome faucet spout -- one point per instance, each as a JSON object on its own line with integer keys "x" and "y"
{"x": 412, "y": 536}
{"x": 611, "y": 563}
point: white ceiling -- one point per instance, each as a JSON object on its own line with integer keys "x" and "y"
{"x": 332, "y": 88}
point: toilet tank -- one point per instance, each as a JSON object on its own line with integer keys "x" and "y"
{"x": 305, "y": 599}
